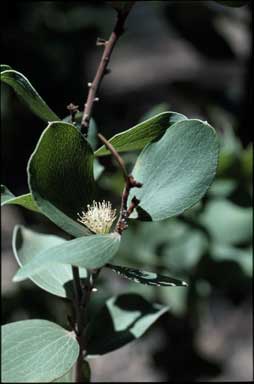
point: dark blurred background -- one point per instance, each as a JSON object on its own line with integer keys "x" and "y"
{"x": 192, "y": 57}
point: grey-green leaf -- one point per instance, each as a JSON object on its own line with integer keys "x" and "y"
{"x": 125, "y": 318}
{"x": 58, "y": 278}
{"x": 26, "y": 201}
{"x": 87, "y": 252}
{"x": 141, "y": 134}
{"x": 28, "y": 94}
{"x": 60, "y": 176}
{"x": 36, "y": 351}
{"x": 176, "y": 171}
{"x": 146, "y": 278}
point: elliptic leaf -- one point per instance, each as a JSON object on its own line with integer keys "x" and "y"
{"x": 28, "y": 94}
{"x": 147, "y": 278}
{"x": 176, "y": 171}
{"x": 124, "y": 318}
{"x": 141, "y": 134}
{"x": 60, "y": 176}
{"x": 36, "y": 351}
{"x": 87, "y": 252}
{"x": 25, "y": 201}
{"x": 27, "y": 244}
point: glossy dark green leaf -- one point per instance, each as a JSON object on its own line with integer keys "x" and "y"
{"x": 147, "y": 278}
{"x": 227, "y": 222}
{"x": 141, "y": 134}
{"x": 25, "y": 201}
{"x": 86, "y": 252}
{"x": 176, "y": 171}
{"x": 60, "y": 176}
{"x": 36, "y": 351}
{"x": 28, "y": 94}
{"x": 124, "y": 318}
{"x": 27, "y": 244}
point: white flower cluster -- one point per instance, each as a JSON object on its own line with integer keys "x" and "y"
{"x": 99, "y": 217}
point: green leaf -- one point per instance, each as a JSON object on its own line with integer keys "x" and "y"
{"x": 143, "y": 133}
{"x": 124, "y": 318}
{"x": 226, "y": 222}
{"x": 28, "y": 94}
{"x": 27, "y": 244}
{"x": 60, "y": 176}
{"x": 25, "y": 201}
{"x": 176, "y": 171}
{"x": 36, "y": 351}
{"x": 144, "y": 277}
{"x": 87, "y": 252}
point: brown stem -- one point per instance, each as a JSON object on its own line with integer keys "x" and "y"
{"x": 130, "y": 182}
{"x": 82, "y": 294}
{"x": 102, "y": 69}
{"x": 115, "y": 154}
{"x": 124, "y": 210}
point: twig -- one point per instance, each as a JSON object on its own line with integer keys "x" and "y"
{"x": 130, "y": 182}
{"x": 115, "y": 154}
{"x": 102, "y": 68}
{"x": 82, "y": 294}
{"x": 124, "y": 210}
